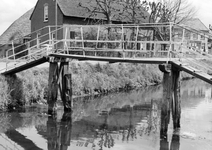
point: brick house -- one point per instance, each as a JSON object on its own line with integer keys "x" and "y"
{"x": 68, "y": 12}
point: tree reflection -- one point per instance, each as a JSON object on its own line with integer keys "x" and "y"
{"x": 59, "y": 133}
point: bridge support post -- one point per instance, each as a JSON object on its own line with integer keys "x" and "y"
{"x": 176, "y": 102}
{"x": 171, "y": 98}
{"x": 59, "y": 80}
{"x": 52, "y": 87}
{"x": 166, "y": 100}
{"x": 66, "y": 91}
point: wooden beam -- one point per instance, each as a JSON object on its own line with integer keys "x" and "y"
{"x": 192, "y": 71}
{"x": 114, "y": 59}
{"x": 176, "y": 101}
{"x": 66, "y": 87}
{"x": 165, "y": 105}
{"x": 26, "y": 66}
{"x": 52, "y": 87}
{"x": 171, "y": 98}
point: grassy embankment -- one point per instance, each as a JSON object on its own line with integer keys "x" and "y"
{"x": 87, "y": 79}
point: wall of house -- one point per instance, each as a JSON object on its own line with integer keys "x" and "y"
{"x": 37, "y": 19}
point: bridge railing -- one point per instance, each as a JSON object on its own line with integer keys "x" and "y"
{"x": 156, "y": 40}
{"x": 33, "y": 49}
{"x": 194, "y": 42}
{"x": 36, "y": 39}
{"x": 127, "y": 41}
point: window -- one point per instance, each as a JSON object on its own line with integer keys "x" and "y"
{"x": 202, "y": 37}
{"x": 188, "y": 35}
{"x": 195, "y": 36}
{"x": 46, "y": 17}
{"x": 53, "y": 36}
{"x": 72, "y": 35}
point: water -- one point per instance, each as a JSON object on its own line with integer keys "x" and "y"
{"x": 123, "y": 121}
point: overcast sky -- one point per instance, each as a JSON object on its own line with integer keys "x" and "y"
{"x": 10, "y": 10}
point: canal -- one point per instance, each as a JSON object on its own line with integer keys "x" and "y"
{"x": 119, "y": 121}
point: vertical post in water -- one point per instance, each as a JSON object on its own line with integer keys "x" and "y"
{"x": 66, "y": 92}
{"x": 166, "y": 100}
{"x": 52, "y": 87}
{"x": 176, "y": 102}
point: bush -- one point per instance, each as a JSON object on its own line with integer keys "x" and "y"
{"x": 102, "y": 78}
{"x": 5, "y": 98}
{"x": 31, "y": 86}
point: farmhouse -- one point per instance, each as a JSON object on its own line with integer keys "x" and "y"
{"x": 41, "y": 20}
{"x": 17, "y": 33}
{"x": 70, "y": 12}
{"x": 198, "y": 41}
{"x": 193, "y": 38}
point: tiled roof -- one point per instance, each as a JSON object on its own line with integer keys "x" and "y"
{"x": 73, "y": 8}
{"x": 197, "y": 24}
{"x": 18, "y": 29}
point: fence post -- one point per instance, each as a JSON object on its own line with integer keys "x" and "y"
{"x": 82, "y": 41}
{"x": 13, "y": 50}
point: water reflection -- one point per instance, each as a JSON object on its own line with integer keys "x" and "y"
{"x": 175, "y": 143}
{"x": 59, "y": 133}
{"x": 118, "y": 121}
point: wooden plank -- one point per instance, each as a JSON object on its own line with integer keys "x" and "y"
{"x": 52, "y": 87}
{"x": 114, "y": 59}
{"x": 176, "y": 101}
{"x": 66, "y": 92}
{"x": 201, "y": 75}
{"x": 165, "y": 105}
{"x": 26, "y": 66}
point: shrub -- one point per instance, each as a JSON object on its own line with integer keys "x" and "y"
{"x": 5, "y": 98}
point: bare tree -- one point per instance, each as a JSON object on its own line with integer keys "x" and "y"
{"x": 134, "y": 11}
{"x": 108, "y": 10}
{"x": 176, "y": 11}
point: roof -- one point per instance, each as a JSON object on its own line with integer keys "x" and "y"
{"x": 197, "y": 24}
{"x": 74, "y": 8}
{"x": 18, "y": 29}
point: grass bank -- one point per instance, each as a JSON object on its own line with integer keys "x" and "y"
{"x": 30, "y": 86}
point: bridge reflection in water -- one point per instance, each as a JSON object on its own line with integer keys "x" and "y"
{"x": 118, "y": 121}
{"x": 126, "y": 125}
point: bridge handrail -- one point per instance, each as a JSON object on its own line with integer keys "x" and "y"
{"x": 199, "y": 32}
{"x": 35, "y": 46}
{"x": 36, "y": 31}
{"x": 12, "y": 49}
{"x": 79, "y": 41}
{"x": 44, "y": 50}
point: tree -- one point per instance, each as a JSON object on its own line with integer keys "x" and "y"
{"x": 109, "y": 10}
{"x": 134, "y": 11}
{"x": 176, "y": 11}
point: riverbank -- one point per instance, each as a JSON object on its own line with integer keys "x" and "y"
{"x": 87, "y": 79}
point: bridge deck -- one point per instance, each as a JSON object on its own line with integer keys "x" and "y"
{"x": 25, "y": 66}
{"x": 113, "y": 59}
{"x": 193, "y": 71}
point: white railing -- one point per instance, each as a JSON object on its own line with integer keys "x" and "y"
{"x": 125, "y": 41}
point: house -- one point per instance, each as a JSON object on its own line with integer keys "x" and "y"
{"x": 68, "y": 12}
{"x": 196, "y": 35}
{"x": 17, "y": 33}
{"x": 197, "y": 40}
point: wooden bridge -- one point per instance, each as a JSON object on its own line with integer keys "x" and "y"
{"x": 167, "y": 44}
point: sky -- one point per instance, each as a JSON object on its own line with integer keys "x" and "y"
{"x": 10, "y": 10}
